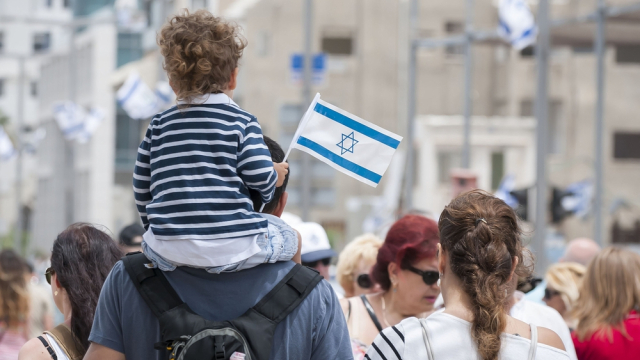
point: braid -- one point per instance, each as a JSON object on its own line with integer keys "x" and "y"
{"x": 480, "y": 233}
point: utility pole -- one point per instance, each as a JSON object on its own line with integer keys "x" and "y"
{"x": 17, "y": 241}
{"x": 411, "y": 113}
{"x": 468, "y": 90}
{"x": 306, "y": 98}
{"x": 542, "y": 113}
{"x": 599, "y": 47}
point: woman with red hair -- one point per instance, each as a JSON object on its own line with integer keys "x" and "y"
{"x": 407, "y": 271}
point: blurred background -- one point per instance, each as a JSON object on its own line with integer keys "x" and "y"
{"x": 550, "y": 127}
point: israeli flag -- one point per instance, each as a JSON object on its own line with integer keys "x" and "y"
{"x": 580, "y": 201}
{"x": 139, "y": 101}
{"x": 346, "y": 142}
{"x": 70, "y": 118}
{"x": 517, "y": 25}
{"x": 507, "y": 185}
{"x": 6, "y": 146}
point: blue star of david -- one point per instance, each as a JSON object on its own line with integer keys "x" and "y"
{"x": 344, "y": 147}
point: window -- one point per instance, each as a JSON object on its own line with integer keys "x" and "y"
{"x": 454, "y": 28}
{"x": 33, "y": 88}
{"x": 528, "y": 52}
{"x": 129, "y": 47}
{"x": 128, "y": 137}
{"x": 447, "y": 160}
{"x": 66, "y": 3}
{"x": 497, "y": 169}
{"x": 41, "y": 42}
{"x": 628, "y": 54}
{"x": 626, "y": 145}
{"x": 337, "y": 45}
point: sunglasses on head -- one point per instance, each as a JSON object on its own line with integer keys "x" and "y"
{"x": 312, "y": 264}
{"x": 48, "y": 273}
{"x": 364, "y": 281}
{"x": 548, "y": 294}
{"x": 429, "y": 277}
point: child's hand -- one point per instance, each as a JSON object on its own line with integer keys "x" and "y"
{"x": 282, "y": 169}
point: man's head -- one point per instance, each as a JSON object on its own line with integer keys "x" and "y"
{"x": 201, "y": 54}
{"x": 130, "y": 239}
{"x": 581, "y": 251}
{"x": 276, "y": 206}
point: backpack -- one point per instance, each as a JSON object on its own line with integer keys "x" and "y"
{"x": 187, "y": 335}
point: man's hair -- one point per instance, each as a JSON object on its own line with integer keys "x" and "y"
{"x": 277, "y": 155}
{"x": 201, "y": 52}
{"x": 129, "y": 233}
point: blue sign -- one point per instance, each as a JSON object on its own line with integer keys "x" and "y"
{"x": 318, "y": 68}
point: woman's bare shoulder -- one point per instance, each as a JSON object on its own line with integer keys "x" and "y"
{"x": 34, "y": 350}
{"x": 549, "y": 337}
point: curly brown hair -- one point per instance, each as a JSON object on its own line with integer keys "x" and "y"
{"x": 201, "y": 53}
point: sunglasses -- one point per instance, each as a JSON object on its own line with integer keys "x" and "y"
{"x": 364, "y": 281}
{"x": 548, "y": 294}
{"x": 312, "y": 264}
{"x": 48, "y": 273}
{"x": 429, "y": 277}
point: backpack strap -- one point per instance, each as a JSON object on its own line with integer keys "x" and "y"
{"x": 288, "y": 293}
{"x": 151, "y": 284}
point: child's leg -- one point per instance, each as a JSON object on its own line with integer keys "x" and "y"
{"x": 282, "y": 243}
{"x": 157, "y": 260}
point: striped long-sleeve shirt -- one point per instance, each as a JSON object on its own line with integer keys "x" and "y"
{"x": 194, "y": 168}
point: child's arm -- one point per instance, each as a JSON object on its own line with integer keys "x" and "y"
{"x": 255, "y": 167}
{"x": 142, "y": 178}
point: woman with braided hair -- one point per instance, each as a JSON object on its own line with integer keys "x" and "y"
{"x": 479, "y": 252}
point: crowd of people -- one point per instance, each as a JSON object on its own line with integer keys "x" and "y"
{"x": 219, "y": 269}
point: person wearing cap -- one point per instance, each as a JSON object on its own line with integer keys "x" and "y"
{"x": 316, "y": 249}
{"x": 130, "y": 238}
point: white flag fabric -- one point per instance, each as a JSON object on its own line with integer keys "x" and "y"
{"x": 507, "y": 185}
{"x": 70, "y": 118}
{"x": 580, "y": 201}
{"x": 75, "y": 123}
{"x": 6, "y": 146}
{"x": 138, "y": 100}
{"x": 517, "y": 24}
{"x": 346, "y": 142}
{"x": 90, "y": 125}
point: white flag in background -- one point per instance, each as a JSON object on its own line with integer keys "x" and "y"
{"x": 517, "y": 24}
{"x": 138, "y": 100}
{"x": 346, "y": 142}
{"x": 70, "y": 118}
{"x": 6, "y": 146}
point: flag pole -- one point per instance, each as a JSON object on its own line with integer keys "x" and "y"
{"x": 303, "y": 123}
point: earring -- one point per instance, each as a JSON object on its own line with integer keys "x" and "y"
{"x": 55, "y": 293}
{"x": 393, "y": 285}
{"x": 440, "y": 277}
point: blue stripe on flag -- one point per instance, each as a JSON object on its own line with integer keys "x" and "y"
{"x": 359, "y": 127}
{"x": 338, "y": 160}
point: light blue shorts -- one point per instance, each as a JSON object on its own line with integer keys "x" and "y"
{"x": 281, "y": 244}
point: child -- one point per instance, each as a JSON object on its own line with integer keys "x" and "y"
{"x": 198, "y": 160}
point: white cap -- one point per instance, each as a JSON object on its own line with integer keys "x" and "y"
{"x": 315, "y": 242}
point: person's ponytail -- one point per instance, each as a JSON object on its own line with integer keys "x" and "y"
{"x": 480, "y": 235}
